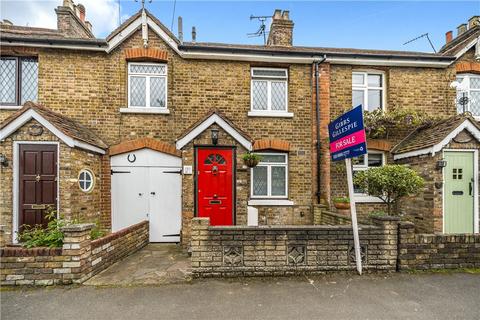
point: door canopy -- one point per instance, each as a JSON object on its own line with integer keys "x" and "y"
{"x": 214, "y": 117}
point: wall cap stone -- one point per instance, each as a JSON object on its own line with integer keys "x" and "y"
{"x": 288, "y": 227}
{"x": 78, "y": 227}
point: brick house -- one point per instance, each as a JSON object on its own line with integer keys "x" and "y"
{"x": 144, "y": 125}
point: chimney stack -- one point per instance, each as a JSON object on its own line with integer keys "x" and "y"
{"x": 71, "y": 20}
{"x": 473, "y": 22}
{"x": 180, "y": 29}
{"x": 448, "y": 37}
{"x": 194, "y": 34}
{"x": 281, "y": 29}
{"x": 461, "y": 29}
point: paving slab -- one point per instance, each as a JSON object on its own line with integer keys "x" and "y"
{"x": 156, "y": 263}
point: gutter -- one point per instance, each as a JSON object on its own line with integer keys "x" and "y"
{"x": 317, "y": 112}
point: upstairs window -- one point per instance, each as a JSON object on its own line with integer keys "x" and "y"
{"x": 368, "y": 90}
{"x": 269, "y": 90}
{"x": 18, "y": 80}
{"x": 469, "y": 92}
{"x": 269, "y": 179}
{"x": 147, "y": 85}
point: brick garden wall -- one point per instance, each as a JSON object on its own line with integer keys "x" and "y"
{"x": 75, "y": 262}
{"x": 436, "y": 251}
{"x": 288, "y": 250}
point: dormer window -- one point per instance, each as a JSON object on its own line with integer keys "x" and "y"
{"x": 147, "y": 85}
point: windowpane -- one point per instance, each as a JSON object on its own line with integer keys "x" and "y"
{"x": 279, "y": 181}
{"x": 278, "y": 158}
{"x": 374, "y": 99}
{"x": 475, "y": 102}
{"x": 157, "y": 92}
{"x": 259, "y": 181}
{"x": 374, "y": 80}
{"x": 149, "y": 69}
{"x": 358, "y": 79}
{"x": 259, "y": 95}
{"x": 269, "y": 73}
{"x": 475, "y": 83}
{"x": 137, "y": 91}
{"x": 375, "y": 160}
{"x": 359, "y": 161}
{"x": 459, "y": 106}
{"x": 7, "y": 80}
{"x": 278, "y": 95}
{"x": 357, "y": 98}
{"x": 29, "y": 80}
{"x": 356, "y": 188}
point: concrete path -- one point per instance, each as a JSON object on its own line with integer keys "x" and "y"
{"x": 154, "y": 264}
{"x": 395, "y": 296}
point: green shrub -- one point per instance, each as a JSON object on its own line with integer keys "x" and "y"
{"x": 38, "y": 236}
{"x": 389, "y": 183}
{"x": 341, "y": 200}
{"x": 251, "y": 157}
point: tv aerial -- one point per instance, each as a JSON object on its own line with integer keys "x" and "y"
{"x": 425, "y": 35}
{"x": 261, "y": 30}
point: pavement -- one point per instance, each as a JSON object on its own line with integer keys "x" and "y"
{"x": 390, "y": 296}
{"x": 156, "y": 263}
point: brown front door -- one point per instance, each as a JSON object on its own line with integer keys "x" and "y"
{"x": 38, "y": 183}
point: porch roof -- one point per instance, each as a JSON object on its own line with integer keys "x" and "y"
{"x": 433, "y": 137}
{"x": 68, "y": 130}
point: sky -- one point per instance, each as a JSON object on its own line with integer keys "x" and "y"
{"x": 350, "y": 24}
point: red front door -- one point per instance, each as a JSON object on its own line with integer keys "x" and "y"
{"x": 37, "y": 183}
{"x": 215, "y": 185}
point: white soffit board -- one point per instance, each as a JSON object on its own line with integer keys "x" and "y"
{"x": 214, "y": 118}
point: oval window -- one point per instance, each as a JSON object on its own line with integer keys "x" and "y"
{"x": 86, "y": 180}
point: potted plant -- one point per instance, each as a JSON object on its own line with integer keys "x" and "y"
{"x": 341, "y": 203}
{"x": 251, "y": 159}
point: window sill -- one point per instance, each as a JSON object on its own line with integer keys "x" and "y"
{"x": 145, "y": 110}
{"x": 10, "y": 107}
{"x": 366, "y": 199}
{"x": 270, "y": 114}
{"x": 270, "y": 202}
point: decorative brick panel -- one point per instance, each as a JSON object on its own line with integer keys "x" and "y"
{"x": 468, "y": 67}
{"x": 149, "y": 54}
{"x": 379, "y": 144}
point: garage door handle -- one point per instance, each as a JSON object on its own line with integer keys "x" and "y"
{"x": 177, "y": 172}
{"x": 470, "y": 188}
{"x": 152, "y": 193}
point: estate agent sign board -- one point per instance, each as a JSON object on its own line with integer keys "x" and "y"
{"x": 348, "y": 140}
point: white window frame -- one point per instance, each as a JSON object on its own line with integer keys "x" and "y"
{"x": 148, "y": 76}
{"x": 467, "y": 76}
{"x": 363, "y": 197}
{"x": 92, "y": 176}
{"x": 269, "y": 79}
{"x": 365, "y": 87}
{"x": 269, "y": 176}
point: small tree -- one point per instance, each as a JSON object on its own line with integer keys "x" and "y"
{"x": 389, "y": 183}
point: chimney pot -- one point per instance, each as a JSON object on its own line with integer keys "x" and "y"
{"x": 285, "y": 15}
{"x": 81, "y": 12}
{"x": 180, "y": 29}
{"x": 277, "y": 14}
{"x": 194, "y": 34}
{"x": 461, "y": 29}
{"x": 448, "y": 37}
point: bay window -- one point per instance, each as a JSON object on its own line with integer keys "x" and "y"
{"x": 368, "y": 90}
{"x": 269, "y": 179}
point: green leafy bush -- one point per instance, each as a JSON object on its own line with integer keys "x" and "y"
{"x": 341, "y": 200}
{"x": 389, "y": 183}
{"x": 251, "y": 157}
{"x": 38, "y": 236}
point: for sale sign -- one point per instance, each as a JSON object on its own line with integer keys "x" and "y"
{"x": 347, "y": 135}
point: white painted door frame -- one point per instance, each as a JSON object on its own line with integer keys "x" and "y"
{"x": 476, "y": 211}
{"x": 15, "y": 186}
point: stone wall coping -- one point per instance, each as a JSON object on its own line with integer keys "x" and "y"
{"x": 334, "y": 214}
{"x": 288, "y": 227}
{"x": 115, "y": 235}
{"x": 29, "y": 252}
{"x": 78, "y": 227}
{"x": 386, "y": 218}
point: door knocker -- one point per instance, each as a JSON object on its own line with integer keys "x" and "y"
{"x": 214, "y": 170}
{"x": 131, "y": 157}
{"x": 37, "y": 178}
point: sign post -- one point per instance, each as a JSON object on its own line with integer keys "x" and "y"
{"x": 348, "y": 140}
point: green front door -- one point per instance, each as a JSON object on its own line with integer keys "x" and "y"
{"x": 458, "y": 213}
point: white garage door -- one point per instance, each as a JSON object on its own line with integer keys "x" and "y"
{"x": 147, "y": 185}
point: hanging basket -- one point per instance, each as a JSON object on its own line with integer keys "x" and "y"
{"x": 251, "y": 162}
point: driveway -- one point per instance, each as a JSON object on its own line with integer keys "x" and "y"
{"x": 395, "y": 296}
{"x": 156, "y": 263}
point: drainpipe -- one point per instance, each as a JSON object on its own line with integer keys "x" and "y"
{"x": 317, "y": 111}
